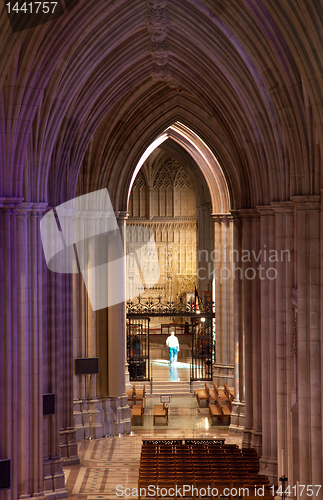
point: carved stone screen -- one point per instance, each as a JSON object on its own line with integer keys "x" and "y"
{"x": 163, "y": 200}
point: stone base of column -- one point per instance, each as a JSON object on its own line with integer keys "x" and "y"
{"x": 223, "y": 374}
{"x": 68, "y": 447}
{"x": 101, "y": 417}
{"x": 256, "y": 441}
{"x": 54, "y": 479}
{"x": 108, "y": 416}
{"x": 269, "y": 467}
{"x": 237, "y": 418}
{"x": 122, "y": 417}
{"x": 252, "y": 439}
{"x": 39, "y": 496}
{"x": 78, "y": 418}
{"x": 95, "y": 420}
{"x": 247, "y": 438}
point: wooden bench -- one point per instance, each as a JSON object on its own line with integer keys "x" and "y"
{"x": 202, "y": 394}
{"x": 131, "y": 393}
{"x": 222, "y": 395}
{"x": 229, "y": 393}
{"x": 225, "y": 410}
{"x": 219, "y": 410}
{"x": 215, "y": 411}
{"x": 161, "y": 411}
{"x": 141, "y": 394}
{"x": 138, "y": 411}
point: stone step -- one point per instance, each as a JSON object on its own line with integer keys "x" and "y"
{"x": 164, "y": 388}
{"x": 176, "y": 388}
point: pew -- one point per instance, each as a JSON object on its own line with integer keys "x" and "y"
{"x": 138, "y": 411}
{"x": 161, "y": 411}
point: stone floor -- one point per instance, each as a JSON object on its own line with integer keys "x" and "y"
{"x": 159, "y": 356}
{"x": 109, "y": 462}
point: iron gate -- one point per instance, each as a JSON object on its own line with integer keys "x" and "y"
{"x": 202, "y": 317}
{"x": 138, "y": 348}
{"x": 203, "y": 349}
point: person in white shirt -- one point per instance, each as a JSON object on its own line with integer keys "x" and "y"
{"x": 173, "y": 346}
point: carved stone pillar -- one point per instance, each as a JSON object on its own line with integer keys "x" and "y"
{"x": 308, "y": 261}
{"x": 251, "y": 321}
{"x": 21, "y": 391}
{"x": 268, "y": 460}
{"x": 117, "y": 335}
{"x": 284, "y": 321}
{"x": 54, "y": 331}
{"x": 238, "y": 412}
{"x": 205, "y": 245}
{"x": 117, "y": 361}
{"x": 224, "y": 292}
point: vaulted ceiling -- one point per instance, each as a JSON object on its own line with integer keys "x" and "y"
{"x": 83, "y": 93}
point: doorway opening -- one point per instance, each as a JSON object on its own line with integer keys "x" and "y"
{"x": 178, "y": 193}
{"x": 150, "y": 324}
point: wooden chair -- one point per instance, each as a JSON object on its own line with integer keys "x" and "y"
{"x": 161, "y": 411}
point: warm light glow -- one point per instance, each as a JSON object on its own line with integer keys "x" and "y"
{"x": 204, "y": 158}
{"x": 144, "y": 157}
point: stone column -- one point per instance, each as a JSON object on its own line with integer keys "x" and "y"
{"x": 238, "y": 412}
{"x": 79, "y": 349}
{"x": 53, "y": 381}
{"x": 251, "y": 324}
{"x": 93, "y": 411}
{"x": 223, "y": 284}
{"x": 268, "y": 460}
{"x": 205, "y": 244}
{"x": 309, "y": 369}
{"x": 284, "y": 322}
{"x": 21, "y": 390}
{"x": 117, "y": 335}
{"x": 117, "y": 360}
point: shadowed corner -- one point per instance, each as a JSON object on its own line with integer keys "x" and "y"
{"x": 34, "y": 13}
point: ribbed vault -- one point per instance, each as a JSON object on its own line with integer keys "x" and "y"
{"x": 79, "y": 91}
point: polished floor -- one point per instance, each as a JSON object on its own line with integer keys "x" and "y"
{"x": 159, "y": 356}
{"x": 162, "y": 371}
{"x": 109, "y": 465}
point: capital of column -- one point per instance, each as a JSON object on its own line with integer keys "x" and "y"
{"x": 248, "y": 213}
{"x": 225, "y": 218}
{"x": 121, "y": 215}
{"x": 24, "y": 208}
{"x": 265, "y": 210}
{"x": 11, "y": 203}
{"x": 39, "y": 208}
{"x": 306, "y": 202}
{"x": 283, "y": 207}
